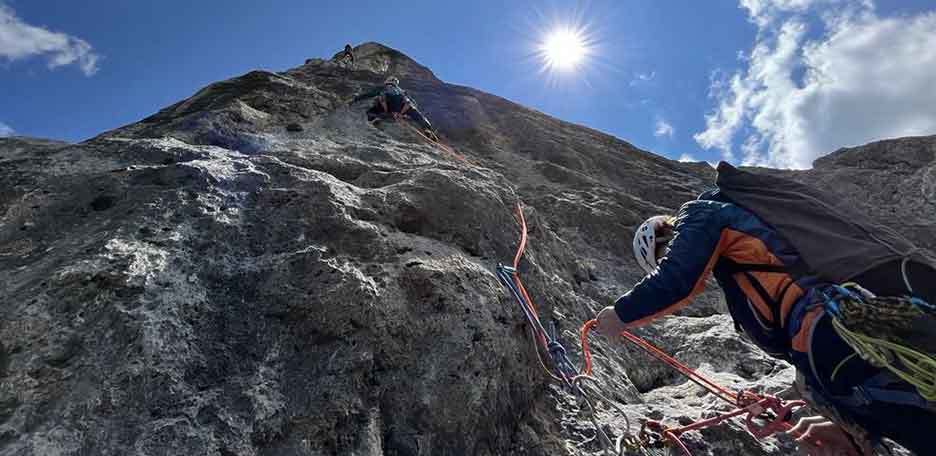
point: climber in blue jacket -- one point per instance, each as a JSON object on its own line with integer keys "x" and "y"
{"x": 782, "y": 315}
{"x": 391, "y": 100}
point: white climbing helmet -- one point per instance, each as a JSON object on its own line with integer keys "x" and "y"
{"x": 392, "y": 80}
{"x": 645, "y": 242}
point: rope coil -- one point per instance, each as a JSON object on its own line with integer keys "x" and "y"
{"x": 911, "y": 365}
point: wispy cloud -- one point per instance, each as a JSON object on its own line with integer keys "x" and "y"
{"x": 643, "y": 77}
{"x": 663, "y": 129}
{"x": 5, "y": 130}
{"x": 19, "y": 40}
{"x": 865, "y": 77}
{"x": 687, "y": 158}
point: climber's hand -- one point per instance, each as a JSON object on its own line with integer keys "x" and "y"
{"x": 609, "y": 325}
{"x": 818, "y": 436}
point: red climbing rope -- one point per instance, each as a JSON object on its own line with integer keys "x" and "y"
{"x": 523, "y": 236}
{"x": 750, "y": 404}
{"x": 586, "y": 350}
{"x": 780, "y": 409}
{"x": 529, "y": 307}
{"x": 445, "y": 147}
{"x": 714, "y": 388}
{"x": 516, "y": 264}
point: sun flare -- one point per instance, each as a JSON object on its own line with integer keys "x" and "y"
{"x": 563, "y": 49}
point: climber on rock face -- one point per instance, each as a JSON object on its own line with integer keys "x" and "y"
{"x": 347, "y": 55}
{"x": 784, "y": 311}
{"x": 391, "y": 100}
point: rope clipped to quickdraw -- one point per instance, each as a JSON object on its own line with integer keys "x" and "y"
{"x": 548, "y": 342}
{"x": 856, "y": 314}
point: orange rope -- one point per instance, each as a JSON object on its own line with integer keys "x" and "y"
{"x": 516, "y": 262}
{"x": 751, "y": 404}
{"x": 539, "y": 340}
{"x": 586, "y": 350}
{"x": 438, "y": 142}
{"x": 523, "y": 235}
{"x": 695, "y": 377}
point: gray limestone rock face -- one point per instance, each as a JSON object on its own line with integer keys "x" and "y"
{"x": 257, "y": 270}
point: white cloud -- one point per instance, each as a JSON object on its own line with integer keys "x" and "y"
{"x": 5, "y": 130}
{"x": 663, "y": 129}
{"x": 722, "y": 124}
{"x": 643, "y": 77}
{"x": 762, "y": 12}
{"x": 19, "y": 40}
{"x": 863, "y": 78}
{"x": 646, "y": 76}
{"x": 687, "y": 158}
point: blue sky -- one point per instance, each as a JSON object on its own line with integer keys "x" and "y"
{"x": 775, "y": 82}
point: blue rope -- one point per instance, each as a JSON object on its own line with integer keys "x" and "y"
{"x": 832, "y": 303}
{"x": 558, "y": 354}
{"x": 922, "y": 305}
{"x": 524, "y": 306}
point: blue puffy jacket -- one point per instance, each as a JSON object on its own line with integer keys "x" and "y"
{"x": 710, "y": 234}
{"x": 777, "y": 312}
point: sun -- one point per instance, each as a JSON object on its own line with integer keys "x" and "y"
{"x": 568, "y": 45}
{"x": 564, "y": 49}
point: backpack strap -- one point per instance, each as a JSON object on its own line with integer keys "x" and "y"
{"x": 769, "y": 300}
{"x": 798, "y": 269}
{"x": 733, "y": 267}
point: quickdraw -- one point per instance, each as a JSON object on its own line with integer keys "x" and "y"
{"x": 764, "y": 415}
{"x": 548, "y": 342}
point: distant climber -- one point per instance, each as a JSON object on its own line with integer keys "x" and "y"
{"x": 780, "y": 294}
{"x": 347, "y": 56}
{"x": 392, "y": 101}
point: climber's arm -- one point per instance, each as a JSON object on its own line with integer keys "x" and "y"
{"x": 681, "y": 275}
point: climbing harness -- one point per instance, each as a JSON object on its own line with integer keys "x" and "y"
{"x": 857, "y": 313}
{"x": 764, "y": 415}
{"x": 345, "y": 61}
